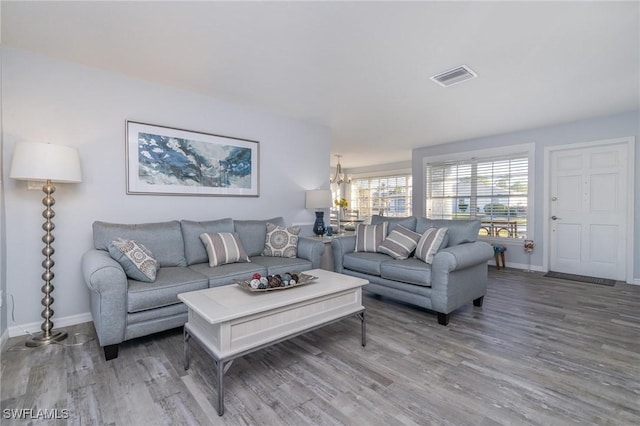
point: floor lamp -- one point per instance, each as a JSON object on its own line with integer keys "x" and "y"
{"x": 36, "y": 161}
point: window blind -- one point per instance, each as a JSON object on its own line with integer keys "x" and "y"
{"x": 386, "y": 195}
{"x": 494, "y": 190}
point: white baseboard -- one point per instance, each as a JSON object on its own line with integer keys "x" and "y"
{"x": 536, "y": 268}
{"x": 58, "y": 322}
{"x": 635, "y": 281}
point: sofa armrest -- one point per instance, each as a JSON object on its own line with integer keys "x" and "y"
{"x": 311, "y": 249}
{"x": 459, "y": 275}
{"x": 462, "y": 256}
{"x": 108, "y": 284}
{"x": 340, "y": 247}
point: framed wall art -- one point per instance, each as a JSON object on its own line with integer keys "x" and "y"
{"x": 168, "y": 161}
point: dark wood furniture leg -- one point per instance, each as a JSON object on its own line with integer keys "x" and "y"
{"x": 478, "y": 301}
{"x": 111, "y": 352}
{"x": 443, "y": 319}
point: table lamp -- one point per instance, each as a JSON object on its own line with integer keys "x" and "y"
{"x": 35, "y": 161}
{"x": 319, "y": 199}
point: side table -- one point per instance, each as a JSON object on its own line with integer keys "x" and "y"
{"x": 327, "y": 262}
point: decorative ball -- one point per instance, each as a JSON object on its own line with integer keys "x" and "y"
{"x": 286, "y": 276}
{"x": 256, "y": 276}
{"x": 262, "y": 286}
{"x": 292, "y": 282}
{"x": 273, "y": 281}
{"x": 254, "y": 283}
{"x": 264, "y": 280}
{"x": 295, "y": 277}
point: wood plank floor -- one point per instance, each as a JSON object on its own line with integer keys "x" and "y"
{"x": 540, "y": 351}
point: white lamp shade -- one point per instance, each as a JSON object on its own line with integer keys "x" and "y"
{"x": 318, "y": 199}
{"x": 43, "y": 161}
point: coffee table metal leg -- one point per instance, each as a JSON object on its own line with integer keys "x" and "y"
{"x": 220, "y": 386}
{"x": 221, "y": 368}
{"x": 186, "y": 348}
{"x": 363, "y": 320}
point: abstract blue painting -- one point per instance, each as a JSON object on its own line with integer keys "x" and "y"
{"x": 165, "y": 160}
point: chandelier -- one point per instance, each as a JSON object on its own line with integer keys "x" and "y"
{"x": 339, "y": 177}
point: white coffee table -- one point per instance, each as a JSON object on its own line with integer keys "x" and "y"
{"x": 229, "y": 322}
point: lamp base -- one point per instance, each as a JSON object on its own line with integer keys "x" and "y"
{"x": 318, "y": 226}
{"x": 39, "y": 339}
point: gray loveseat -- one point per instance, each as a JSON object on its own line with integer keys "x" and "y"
{"x": 458, "y": 274}
{"x": 124, "y": 308}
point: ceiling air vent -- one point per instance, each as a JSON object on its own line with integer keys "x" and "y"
{"x": 454, "y": 76}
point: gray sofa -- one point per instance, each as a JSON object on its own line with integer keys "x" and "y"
{"x": 458, "y": 274}
{"x": 124, "y": 308}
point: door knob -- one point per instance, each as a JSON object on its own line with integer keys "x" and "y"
{"x": 554, "y": 217}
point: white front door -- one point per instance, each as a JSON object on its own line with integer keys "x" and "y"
{"x": 588, "y": 210}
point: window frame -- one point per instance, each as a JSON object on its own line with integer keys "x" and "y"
{"x": 528, "y": 149}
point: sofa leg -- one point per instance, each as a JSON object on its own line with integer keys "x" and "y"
{"x": 478, "y": 301}
{"x": 443, "y": 319}
{"x": 111, "y": 352}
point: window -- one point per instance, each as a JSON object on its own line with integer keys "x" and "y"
{"x": 384, "y": 195}
{"x": 494, "y": 190}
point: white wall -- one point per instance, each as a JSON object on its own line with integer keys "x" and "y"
{"x": 627, "y": 124}
{"x": 68, "y": 104}
{"x": 3, "y": 240}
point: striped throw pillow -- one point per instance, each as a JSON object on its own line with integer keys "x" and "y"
{"x": 430, "y": 243}
{"x": 223, "y": 248}
{"x": 400, "y": 243}
{"x": 369, "y": 237}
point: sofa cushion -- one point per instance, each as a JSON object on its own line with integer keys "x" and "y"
{"x": 163, "y": 239}
{"x": 280, "y": 265}
{"x": 369, "y": 237}
{"x": 223, "y": 248}
{"x": 368, "y": 263}
{"x": 412, "y": 271}
{"x": 431, "y": 241}
{"x": 170, "y": 282}
{"x": 407, "y": 222}
{"x": 150, "y": 315}
{"x": 460, "y": 231}
{"x": 253, "y": 233}
{"x": 194, "y": 250}
{"x": 281, "y": 241}
{"x": 137, "y": 261}
{"x": 400, "y": 243}
{"x": 226, "y": 274}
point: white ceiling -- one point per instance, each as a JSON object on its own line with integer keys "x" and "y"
{"x": 361, "y": 68}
